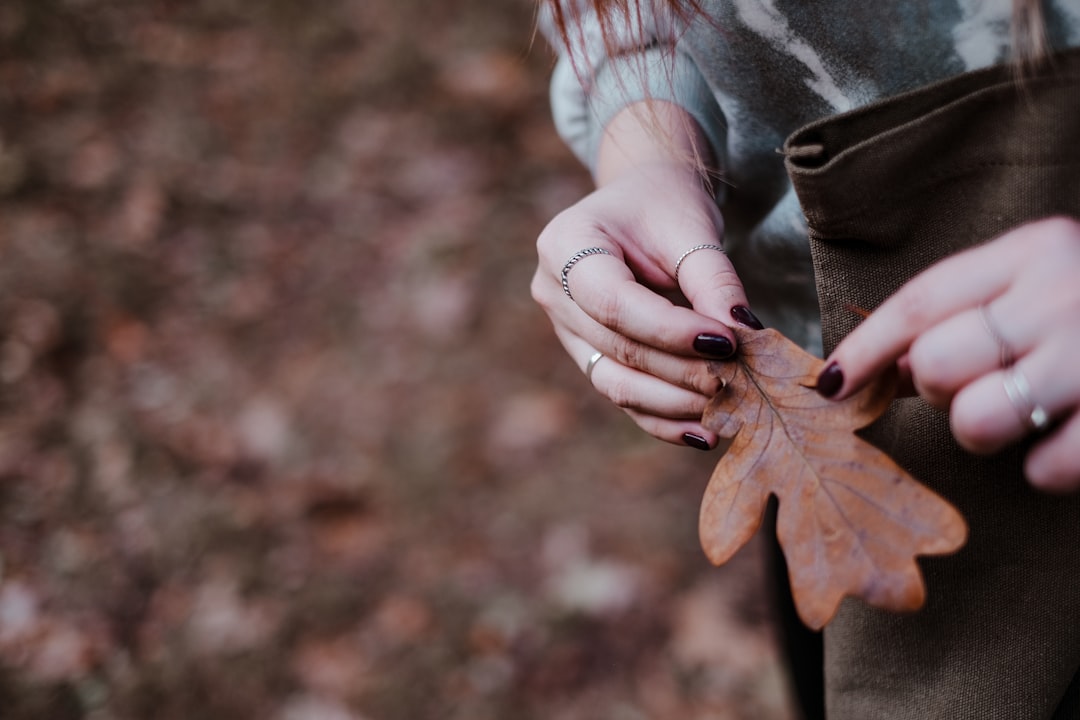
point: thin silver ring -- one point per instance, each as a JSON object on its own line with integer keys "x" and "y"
{"x": 706, "y": 246}
{"x": 1018, "y": 390}
{"x": 578, "y": 256}
{"x": 1007, "y": 356}
{"x": 593, "y": 359}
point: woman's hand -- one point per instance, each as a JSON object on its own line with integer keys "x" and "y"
{"x": 993, "y": 335}
{"x": 652, "y": 308}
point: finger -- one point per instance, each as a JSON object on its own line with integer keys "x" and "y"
{"x": 688, "y": 373}
{"x": 951, "y": 354}
{"x": 982, "y": 418}
{"x": 985, "y": 418}
{"x": 709, "y": 281}
{"x": 601, "y": 287}
{"x": 1053, "y": 464}
{"x": 960, "y": 282}
{"x": 631, "y": 389}
{"x": 671, "y": 416}
{"x": 685, "y": 433}
{"x": 605, "y": 291}
{"x": 632, "y": 310}
{"x": 583, "y": 261}
{"x": 608, "y": 290}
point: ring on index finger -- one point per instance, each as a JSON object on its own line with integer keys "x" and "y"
{"x": 1007, "y": 356}
{"x": 691, "y": 251}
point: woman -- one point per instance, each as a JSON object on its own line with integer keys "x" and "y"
{"x": 679, "y": 110}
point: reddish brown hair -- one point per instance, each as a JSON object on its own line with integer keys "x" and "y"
{"x": 1028, "y": 27}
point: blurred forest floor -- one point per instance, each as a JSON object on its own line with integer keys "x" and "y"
{"x": 281, "y": 433}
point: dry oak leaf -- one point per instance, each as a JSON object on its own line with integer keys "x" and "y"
{"x": 850, "y": 520}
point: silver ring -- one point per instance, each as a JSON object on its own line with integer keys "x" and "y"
{"x": 706, "y": 246}
{"x": 1018, "y": 390}
{"x": 593, "y": 359}
{"x": 1006, "y": 354}
{"x": 579, "y": 255}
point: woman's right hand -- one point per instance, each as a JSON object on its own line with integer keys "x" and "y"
{"x": 653, "y": 323}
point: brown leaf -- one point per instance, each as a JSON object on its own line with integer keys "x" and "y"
{"x": 850, "y": 520}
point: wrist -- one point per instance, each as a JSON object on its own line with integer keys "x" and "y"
{"x": 655, "y": 137}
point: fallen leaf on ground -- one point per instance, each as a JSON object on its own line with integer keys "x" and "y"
{"x": 850, "y": 520}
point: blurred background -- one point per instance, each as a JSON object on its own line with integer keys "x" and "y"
{"x": 282, "y": 434}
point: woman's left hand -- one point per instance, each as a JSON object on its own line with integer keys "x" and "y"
{"x": 991, "y": 334}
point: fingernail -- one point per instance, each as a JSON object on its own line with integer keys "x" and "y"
{"x": 743, "y": 316}
{"x": 830, "y": 380}
{"x": 696, "y": 441}
{"x": 714, "y": 346}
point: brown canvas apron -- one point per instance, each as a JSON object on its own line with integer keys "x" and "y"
{"x": 887, "y": 190}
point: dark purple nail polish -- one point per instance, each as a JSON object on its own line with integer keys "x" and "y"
{"x": 830, "y": 380}
{"x": 696, "y": 441}
{"x": 714, "y": 346}
{"x": 743, "y": 316}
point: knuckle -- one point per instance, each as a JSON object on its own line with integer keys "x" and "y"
{"x": 622, "y": 394}
{"x": 545, "y": 292}
{"x": 1052, "y": 244}
{"x": 607, "y": 308}
{"x": 538, "y": 288}
{"x": 1062, "y": 301}
{"x": 1062, "y": 230}
{"x": 629, "y": 352}
{"x": 922, "y": 356}
{"x": 1055, "y": 231}
{"x": 917, "y": 303}
{"x": 973, "y": 430}
{"x": 547, "y": 241}
{"x": 697, "y": 377}
{"x": 1056, "y": 242}
{"x": 569, "y": 223}
{"x": 694, "y": 407}
{"x": 546, "y": 237}
{"x": 926, "y": 361}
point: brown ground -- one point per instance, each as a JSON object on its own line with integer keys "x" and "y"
{"x": 281, "y": 433}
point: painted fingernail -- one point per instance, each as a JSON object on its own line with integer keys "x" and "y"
{"x": 714, "y": 346}
{"x": 743, "y": 316}
{"x": 830, "y": 380}
{"x": 696, "y": 441}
